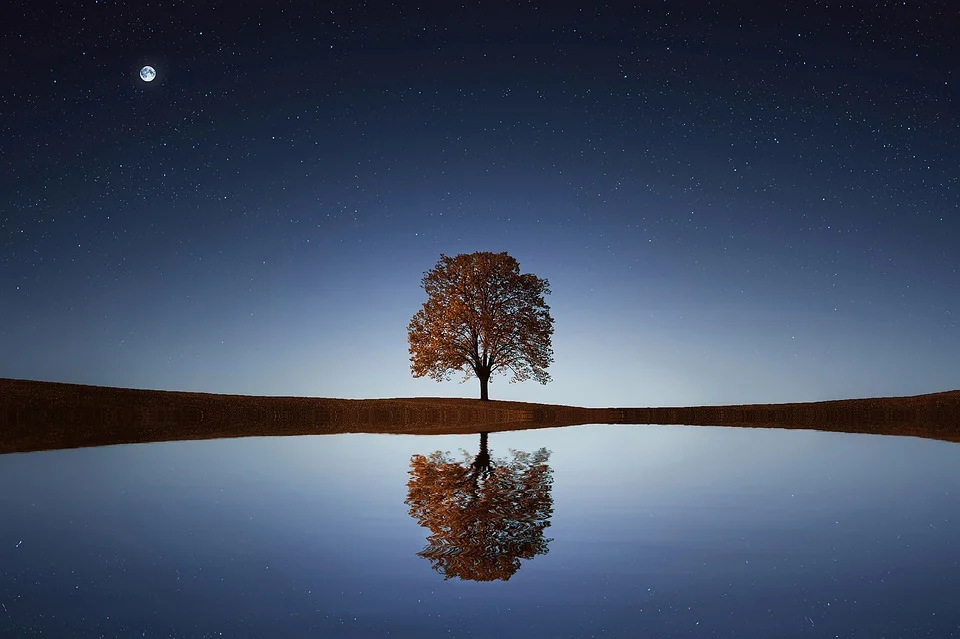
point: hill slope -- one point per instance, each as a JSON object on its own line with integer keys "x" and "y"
{"x": 46, "y": 415}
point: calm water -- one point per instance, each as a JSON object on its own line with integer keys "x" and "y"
{"x": 633, "y": 531}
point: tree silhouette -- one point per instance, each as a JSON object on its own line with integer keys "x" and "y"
{"x": 484, "y": 515}
{"x": 482, "y": 316}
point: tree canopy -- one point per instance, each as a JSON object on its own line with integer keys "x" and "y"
{"x": 484, "y": 516}
{"x": 482, "y": 317}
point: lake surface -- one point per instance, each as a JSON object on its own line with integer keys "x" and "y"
{"x": 619, "y": 531}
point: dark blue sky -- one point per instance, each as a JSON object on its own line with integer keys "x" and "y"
{"x": 731, "y": 204}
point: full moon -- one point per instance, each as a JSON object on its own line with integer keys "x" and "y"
{"x": 148, "y": 73}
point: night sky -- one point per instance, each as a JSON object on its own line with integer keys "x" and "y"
{"x": 732, "y": 204}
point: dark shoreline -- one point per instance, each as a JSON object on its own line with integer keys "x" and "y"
{"x": 37, "y": 416}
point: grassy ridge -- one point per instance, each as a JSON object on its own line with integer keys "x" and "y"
{"x": 45, "y": 415}
{"x": 935, "y": 415}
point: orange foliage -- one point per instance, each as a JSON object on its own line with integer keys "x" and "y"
{"x": 482, "y": 316}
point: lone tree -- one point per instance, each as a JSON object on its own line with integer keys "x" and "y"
{"x": 482, "y": 316}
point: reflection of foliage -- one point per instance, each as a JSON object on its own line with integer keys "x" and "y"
{"x": 484, "y": 516}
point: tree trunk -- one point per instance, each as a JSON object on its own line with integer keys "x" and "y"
{"x": 484, "y": 380}
{"x": 481, "y": 463}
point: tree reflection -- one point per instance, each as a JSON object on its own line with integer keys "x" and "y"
{"x": 484, "y": 515}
